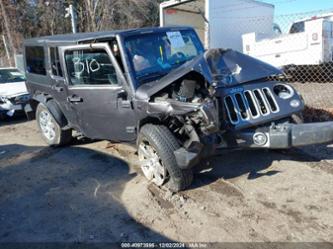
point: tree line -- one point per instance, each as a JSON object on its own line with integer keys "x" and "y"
{"x": 21, "y": 19}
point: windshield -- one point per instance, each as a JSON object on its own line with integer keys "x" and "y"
{"x": 154, "y": 55}
{"x": 10, "y": 76}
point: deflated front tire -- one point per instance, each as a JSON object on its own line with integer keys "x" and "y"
{"x": 156, "y": 146}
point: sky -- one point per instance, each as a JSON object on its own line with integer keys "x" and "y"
{"x": 283, "y": 7}
{"x": 289, "y": 11}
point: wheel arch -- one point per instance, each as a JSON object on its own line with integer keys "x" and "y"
{"x": 53, "y": 107}
{"x": 56, "y": 112}
{"x": 149, "y": 120}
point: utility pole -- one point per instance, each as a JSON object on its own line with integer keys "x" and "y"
{"x": 71, "y": 12}
{"x": 13, "y": 49}
{"x": 6, "y": 48}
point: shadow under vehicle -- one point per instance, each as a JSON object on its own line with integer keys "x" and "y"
{"x": 159, "y": 89}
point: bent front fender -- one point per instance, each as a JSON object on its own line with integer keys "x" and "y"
{"x": 171, "y": 107}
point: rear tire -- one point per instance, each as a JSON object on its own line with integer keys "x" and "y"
{"x": 51, "y": 131}
{"x": 162, "y": 143}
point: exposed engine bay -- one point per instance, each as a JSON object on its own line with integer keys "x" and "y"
{"x": 188, "y": 108}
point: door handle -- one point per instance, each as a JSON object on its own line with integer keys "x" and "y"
{"x": 122, "y": 100}
{"x": 74, "y": 99}
{"x": 122, "y": 94}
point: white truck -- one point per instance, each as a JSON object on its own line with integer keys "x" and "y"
{"x": 219, "y": 24}
{"x": 308, "y": 43}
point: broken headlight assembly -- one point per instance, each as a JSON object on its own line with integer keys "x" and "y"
{"x": 21, "y": 99}
{"x": 3, "y": 100}
{"x": 284, "y": 91}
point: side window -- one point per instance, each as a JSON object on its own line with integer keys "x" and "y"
{"x": 35, "y": 59}
{"x": 55, "y": 62}
{"x": 90, "y": 67}
{"x": 297, "y": 27}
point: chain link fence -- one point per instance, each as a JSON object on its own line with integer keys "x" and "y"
{"x": 307, "y": 57}
{"x": 301, "y": 45}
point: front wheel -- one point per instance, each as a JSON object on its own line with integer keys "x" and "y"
{"x": 156, "y": 146}
{"x": 51, "y": 131}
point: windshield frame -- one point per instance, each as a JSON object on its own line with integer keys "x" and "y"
{"x": 133, "y": 73}
{"x": 12, "y": 70}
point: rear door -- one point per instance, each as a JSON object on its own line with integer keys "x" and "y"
{"x": 35, "y": 69}
{"x": 58, "y": 85}
{"x": 96, "y": 92}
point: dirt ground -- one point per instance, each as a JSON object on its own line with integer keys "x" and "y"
{"x": 317, "y": 95}
{"x": 94, "y": 192}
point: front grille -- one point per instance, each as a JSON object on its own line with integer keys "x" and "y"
{"x": 250, "y": 104}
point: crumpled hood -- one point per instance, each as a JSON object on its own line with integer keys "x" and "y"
{"x": 230, "y": 67}
{"x": 13, "y": 89}
{"x": 225, "y": 67}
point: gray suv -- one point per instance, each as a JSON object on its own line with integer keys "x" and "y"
{"x": 157, "y": 88}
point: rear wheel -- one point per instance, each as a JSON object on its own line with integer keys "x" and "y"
{"x": 156, "y": 146}
{"x": 51, "y": 131}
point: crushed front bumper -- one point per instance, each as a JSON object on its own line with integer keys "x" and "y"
{"x": 9, "y": 108}
{"x": 280, "y": 136}
{"x": 286, "y": 135}
{"x": 10, "y": 105}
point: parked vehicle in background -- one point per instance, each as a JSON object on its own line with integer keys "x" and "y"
{"x": 13, "y": 92}
{"x": 308, "y": 44}
{"x": 157, "y": 88}
{"x": 220, "y": 24}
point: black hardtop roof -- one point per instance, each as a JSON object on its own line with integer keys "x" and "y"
{"x": 81, "y": 37}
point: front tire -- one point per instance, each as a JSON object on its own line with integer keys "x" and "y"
{"x": 156, "y": 146}
{"x": 51, "y": 131}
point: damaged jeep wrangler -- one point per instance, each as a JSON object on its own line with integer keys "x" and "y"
{"x": 159, "y": 89}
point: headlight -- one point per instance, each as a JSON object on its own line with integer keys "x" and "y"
{"x": 284, "y": 91}
{"x": 22, "y": 98}
{"x": 3, "y": 100}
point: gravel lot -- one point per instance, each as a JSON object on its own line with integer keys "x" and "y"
{"x": 94, "y": 192}
{"x": 317, "y": 95}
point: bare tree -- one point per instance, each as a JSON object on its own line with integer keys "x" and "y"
{"x": 20, "y": 19}
{"x": 8, "y": 30}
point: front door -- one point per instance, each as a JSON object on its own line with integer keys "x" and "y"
{"x": 96, "y": 92}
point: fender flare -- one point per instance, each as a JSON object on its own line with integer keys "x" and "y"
{"x": 56, "y": 112}
{"x": 53, "y": 108}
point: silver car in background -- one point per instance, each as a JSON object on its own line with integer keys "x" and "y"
{"x": 13, "y": 92}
